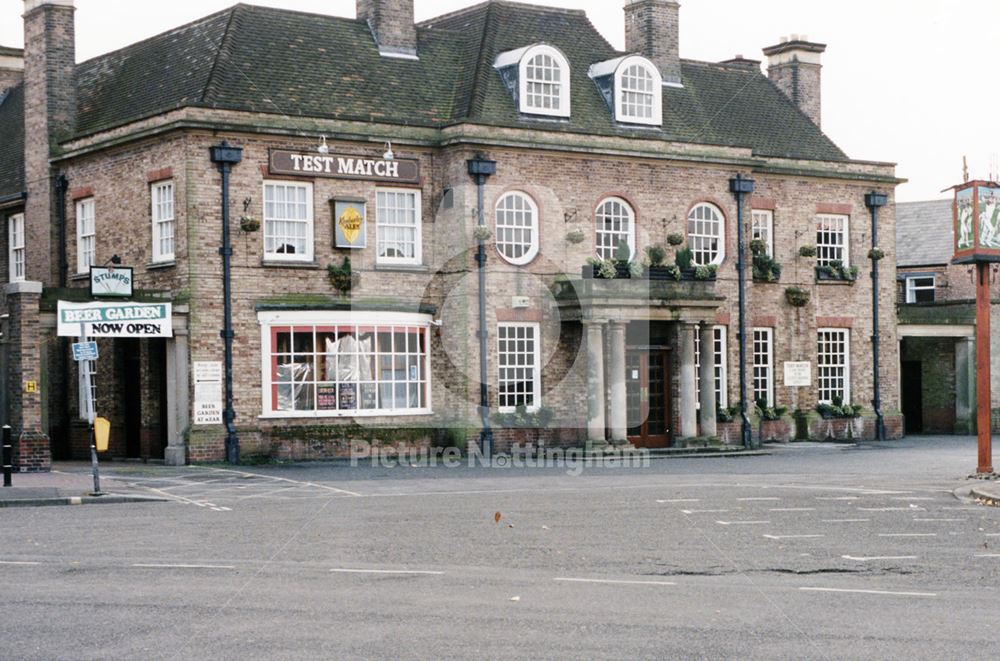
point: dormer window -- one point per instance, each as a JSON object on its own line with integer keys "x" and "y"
{"x": 538, "y": 79}
{"x": 633, "y": 89}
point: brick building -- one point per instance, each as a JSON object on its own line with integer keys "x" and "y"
{"x": 356, "y": 141}
{"x": 937, "y": 324}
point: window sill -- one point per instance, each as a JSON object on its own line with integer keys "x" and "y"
{"x": 325, "y": 415}
{"x": 166, "y": 264}
{"x": 79, "y": 277}
{"x": 278, "y": 264}
{"x": 836, "y": 282}
{"x": 411, "y": 268}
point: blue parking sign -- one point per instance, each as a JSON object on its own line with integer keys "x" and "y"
{"x": 84, "y": 351}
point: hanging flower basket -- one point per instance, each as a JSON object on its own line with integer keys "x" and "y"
{"x": 807, "y": 251}
{"x": 249, "y": 224}
{"x": 482, "y": 233}
{"x": 876, "y": 254}
{"x": 575, "y": 236}
{"x": 797, "y": 298}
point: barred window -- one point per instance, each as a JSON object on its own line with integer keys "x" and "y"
{"x": 721, "y": 371}
{"x": 397, "y": 217}
{"x": 706, "y": 234}
{"x": 346, "y": 366}
{"x": 15, "y": 247}
{"x": 86, "y": 241}
{"x": 163, "y": 221}
{"x": 831, "y": 239}
{"x": 762, "y": 227}
{"x": 763, "y": 365}
{"x": 288, "y": 221}
{"x": 833, "y": 365}
{"x": 518, "y": 378}
{"x": 615, "y": 223}
{"x": 517, "y": 228}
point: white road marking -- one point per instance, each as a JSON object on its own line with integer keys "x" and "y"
{"x": 884, "y": 509}
{"x": 844, "y": 520}
{"x": 792, "y": 536}
{"x": 742, "y": 523}
{"x": 181, "y": 566}
{"x": 610, "y": 581}
{"x": 680, "y": 500}
{"x": 836, "y": 498}
{"x": 907, "y": 534}
{"x": 993, "y": 534}
{"x": 878, "y": 557}
{"x": 940, "y": 520}
{"x": 792, "y": 509}
{"x": 752, "y": 499}
{"x": 885, "y": 592}
{"x": 284, "y": 479}
{"x": 704, "y": 511}
{"x": 988, "y": 555}
{"x": 18, "y": 562}
{"x": 415, "y": 572}
{"x": 913, "y": 498}
{"x": 75, "y": 500}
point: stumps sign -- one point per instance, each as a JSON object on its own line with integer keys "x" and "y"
{"x": 103, "y": 319}
{"x": 106, "y": 282}
{"x": 343, "y": 166}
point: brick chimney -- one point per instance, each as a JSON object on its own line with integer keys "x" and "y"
{"x": 11, "y": 67}
{"x": 794, "y": 67}
{"x": 49, "y": 113}
{"x": 652, "y": 28}
{"x": 392, "y": 26}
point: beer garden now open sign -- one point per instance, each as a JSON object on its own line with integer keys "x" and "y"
{"x": 104, "y": 319}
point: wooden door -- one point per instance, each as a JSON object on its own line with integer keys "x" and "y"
{"x": 647, "y": 379}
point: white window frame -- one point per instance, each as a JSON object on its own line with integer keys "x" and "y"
{"x": 656, "y": 118}
{"x": 163, "y": 214}
{"x": 912, "y": 288}
{"x": 382, "y": 320}
{"x": 826, "y": 228}
{"x": 762, "y": 227}
{"x": 763, "y": 364}
{"x": 17, "y": 254}
{"x": 824, "y": 369}
{"x": 308, "y": 221}
{"x": 536, "y": 364}
{"x": 86, "y": 241}
{"x": 380, "y": 225}
{"x": 721, "y": 366}
{"x": 628, "y": 234}
{"x": 698, "y": 239}
{"x": 509, "y": 226}
{"x": 564, "y": 81}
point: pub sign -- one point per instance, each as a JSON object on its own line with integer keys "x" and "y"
{"x": 344, "y": 166}
{"x": 977, "y": 222}
{"x": 350, "y": 223}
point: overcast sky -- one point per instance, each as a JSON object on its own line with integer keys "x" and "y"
{"x": 905, "y": 81}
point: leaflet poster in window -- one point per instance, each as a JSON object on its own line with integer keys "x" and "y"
{"x": 350, "y": 223}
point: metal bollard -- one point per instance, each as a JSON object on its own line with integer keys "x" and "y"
{"x": 8, "y": 456}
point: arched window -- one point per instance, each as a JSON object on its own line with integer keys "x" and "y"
{"x": 706, "y": 234}
{"x": 544, "y": 75}
{"x": 517, "y": 228}
{"x": 615, "y": 222}
{"x": 638, "y": 92}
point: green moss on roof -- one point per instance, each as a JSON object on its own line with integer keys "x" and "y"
{"x": 12, "y": 141}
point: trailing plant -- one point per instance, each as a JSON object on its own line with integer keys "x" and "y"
{"x": 636, "y": 269}
{"x": 603, "y": 268}
{"x": 758, "y": 247}
{"x": 575, "y": 236}
{"x": 836, "y": 409}
{"x": 876, "y": 254}
{"x": 342, "y": 277}
{"x": 770, "y": 412}
{"x": 674, "y": 271}
{"x": 675, "y": 239}
{"x": 482, "y": 233}
{"x": 838, "y": 271}
{"x": 706, "y": 272}
{"x": 656, "y": 254}
{"x": 728, "y": 414}
{"x": 807, "y": 251}
{"x": 684, "y": 258}
{"x": 796, "y": 297}
{"x": 765, "y": 269}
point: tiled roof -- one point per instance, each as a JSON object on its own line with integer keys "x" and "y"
{"x": 12, "y": 141}
{"x": 924, "y": 233}
{"x": 281, "y": 62}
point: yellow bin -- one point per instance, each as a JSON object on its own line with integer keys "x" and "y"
{"x": 102, "y": 431}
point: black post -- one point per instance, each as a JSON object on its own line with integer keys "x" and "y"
{"x": 226, "y": 156}
{"x": 481, "y": 169}
{"x": 739, "y": 187}
{"x": 874, "y": 201}
{"x": 8, "y": 456}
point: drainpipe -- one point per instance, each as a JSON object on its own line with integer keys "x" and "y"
{"x": 739, "y": 187}
{"x": 62, "y": 186}
{"x": 481, "y": 169}
{"x": 226, "y": 156}
{"x": 874, "y": 201}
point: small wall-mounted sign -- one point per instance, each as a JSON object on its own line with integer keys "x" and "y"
{"x": 343, "y": 166}
{"x": 207, "y": 393}
{"x": 798, "y": 374}
{"x": 350, "y": 222}
{"x": 31, "y": 387}
{"x": 84, "y": 351}
{"x": 110, "y": 282}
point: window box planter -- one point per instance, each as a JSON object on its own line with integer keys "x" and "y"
{"x": 781, "y": 430}
{"x": 833, "y": 273}
{"x": 665, "y": 273}
{"x": 590, "y": 272}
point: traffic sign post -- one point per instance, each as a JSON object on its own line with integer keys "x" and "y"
{"x": 87, "y": 349}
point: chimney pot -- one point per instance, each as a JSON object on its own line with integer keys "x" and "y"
{"x": 392, "y": 26}
{"x": 652, "y": 28}
{"x": 795, "y": 68}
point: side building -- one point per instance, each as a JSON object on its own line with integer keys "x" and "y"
{"x": 382, "y": 175}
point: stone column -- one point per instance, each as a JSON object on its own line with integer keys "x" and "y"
{"x": 965, "y": 385}
{"x": 706, "y": 377}
{"x": 595, "y": 383}
{"x": 616, "y": 375}
{"x": 178, "y": 401}
{"x": 689, "y": 395}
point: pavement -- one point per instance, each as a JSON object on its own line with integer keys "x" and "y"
{"x": 987, "y": 490}
{"x": 70, "y": 483}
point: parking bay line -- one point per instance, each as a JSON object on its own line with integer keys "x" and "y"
{"x": 680, "y": 500}
{"x": 19, "y": 563}
{"x": 181, "y": 566}
{"x": 907, "y": 534}
{"x": 609, "y": 581}
{"x": 881, "y": 592}
{"x": 742, "y": 523}
{"x": 404, "y": 572}
{"x": 792, "y": 509}
{"x": 704, "y": 511}
{"x": 844, "y": 520}
{"x": 988, "y": 555}
{"x": 792, "y": 536}
{"x": 754, "y": 499}
{"x": 878, "y": 557}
